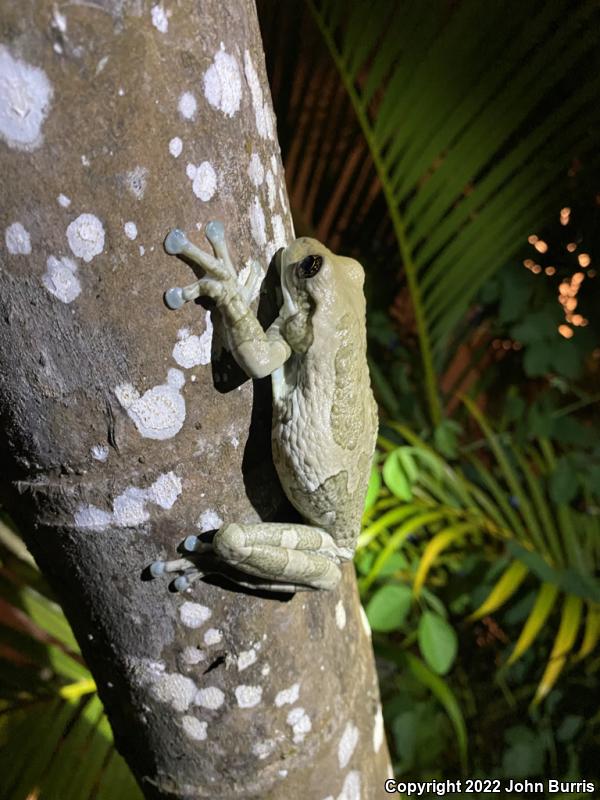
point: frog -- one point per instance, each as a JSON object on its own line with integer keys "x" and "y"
{"x": 324, "y": 418}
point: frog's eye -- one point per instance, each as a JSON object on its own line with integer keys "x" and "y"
{"x": 309, "y": 266}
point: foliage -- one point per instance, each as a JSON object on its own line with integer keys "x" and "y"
{"x": 461, "y": 143}
{"x": 55, "y": 740}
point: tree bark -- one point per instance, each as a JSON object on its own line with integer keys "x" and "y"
{"x": 119, "y": 120}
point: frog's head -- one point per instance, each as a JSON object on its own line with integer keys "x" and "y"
{"x": 316, "y": 285}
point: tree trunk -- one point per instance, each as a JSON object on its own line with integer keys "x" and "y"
{"x": 118, "y": 121}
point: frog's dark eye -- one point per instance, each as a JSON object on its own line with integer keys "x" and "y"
{"x": 309, "y": 266}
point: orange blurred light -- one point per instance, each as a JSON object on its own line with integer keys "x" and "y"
{"x": 532, "y": 239}
{"x": 584, "y": 260}
{"x": 536, "y": 269}
{"x": 571, "y": 247}
{"x": 550, "y": 270}
{"x": 571, "y": 304}
{"x": 541, "y": 246}
{"x": 565, "y": 331}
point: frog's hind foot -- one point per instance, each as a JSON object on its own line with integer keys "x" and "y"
{"x": 189, "y": 572}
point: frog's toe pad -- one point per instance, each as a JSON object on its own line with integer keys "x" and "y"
{"x": 174, "y": 297}
{"x": 181, "y": 583}
{"x": 157, "y": 568}
{"x": 175, "y": 242}
{"x": 215, "y": 231}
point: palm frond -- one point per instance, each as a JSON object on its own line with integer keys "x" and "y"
{"x": 472, "y": 114}
{"x": 55, "y": 740}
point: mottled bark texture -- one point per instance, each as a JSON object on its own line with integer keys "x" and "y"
{"x": 118, "y": 120}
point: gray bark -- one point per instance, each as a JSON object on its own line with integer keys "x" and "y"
{"x": 90, "y": 110}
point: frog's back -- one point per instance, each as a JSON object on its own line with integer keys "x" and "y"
{"x": 325, "y": 425}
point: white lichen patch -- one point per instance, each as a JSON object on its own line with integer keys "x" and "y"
{"x": 271, "y": 191}
{"x": 300, "y": 723}
{"x": 378, "y": 730}
{"x": 265, "y": 670}
{"x": 63, "y": 200}
{"x": 99, "y": 452}
{"x": 257, "y": 222}
{"x": 137, "y": 180}
{"x": 256, "y": 171}
{"x": 86, "y": 236}
{"x": 248, "y": 696}
{"x": 165, "y": 490}
{"x": 194, "y": 615}
{"x": 274, "y": 164}
{"x": 263, "y": 748}
{"x": 262, "y": 112}
{"x": 340, "y": 615}
{"x": 25, "y": 96}
{"x": 245, "y": 659}
{"x": 194, "y": 728}
{"x": 160, "y": 412}
{"x": 278, "y": 231}
{"x": 209, "y": 520}
{"x": 212, "y": 636}
{"x": 347, "y": 744}
{"x": 211, "y": 697}
{"x": 191, "y": 350}
{"x": 365, "y": 622}
{"x": 92, "y": 517}
{"x": 18, "y": 241}
{"x": 223, "y": 83}
{"x": 129, "y": 508}
{"x": 61, "y": 280}
{"x": 160, "y": 17}
{"x": 187, "y": 105}
{"x": 351, "y": 787}
{"x": 288, "y": 696}
{"x": 176, "y": 690}
{"x": 204, "y": 180}
{"x": 131, "y": 230}
{"x": 193, "y": 655}
{"x": 175, "y": 146}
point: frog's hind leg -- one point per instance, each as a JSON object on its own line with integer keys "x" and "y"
{"x": 288, "y": 557}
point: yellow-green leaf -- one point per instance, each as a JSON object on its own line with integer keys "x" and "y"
{"x": 591, "y": 632}
{"x": 563, "y": 644}
{"x": 439, "y": 542}
{"x": 506, "y": 586}
{"x": 536, "y": 620}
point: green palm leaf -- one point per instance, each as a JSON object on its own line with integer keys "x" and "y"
{"x": 55, "y": 740}
{"x": 471, "y": 114}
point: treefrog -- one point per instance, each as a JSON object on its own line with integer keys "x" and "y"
{"x": 324, "y": 413}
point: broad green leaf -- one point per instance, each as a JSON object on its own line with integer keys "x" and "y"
{"x": 437, "y": 642}
{"x": 387, "y": 609}
{"x": 504, "y": 589}
{"x": 395, "y": 477}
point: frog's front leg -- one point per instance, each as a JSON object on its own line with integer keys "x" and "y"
{"x": 285, "y": 556}
{"x": 258, "y": 353}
